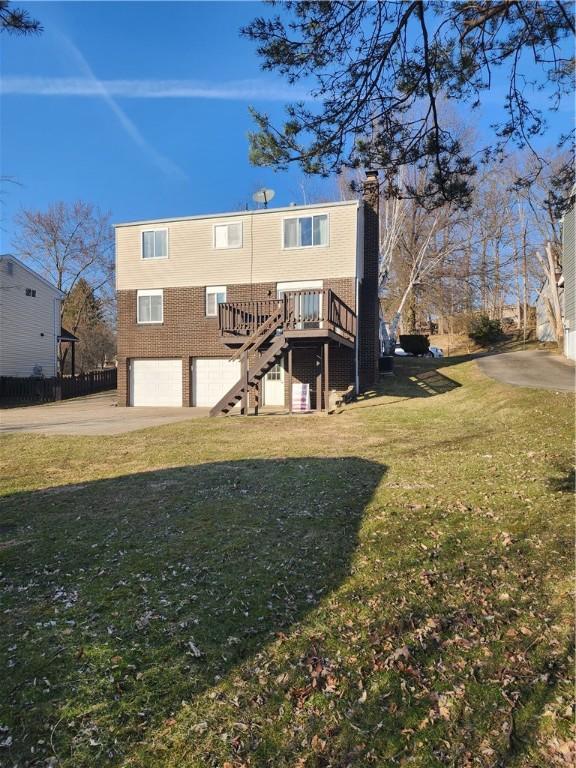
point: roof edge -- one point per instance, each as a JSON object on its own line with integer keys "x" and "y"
{"x": 11, "y": 257}
{"x": 228, "y": 214}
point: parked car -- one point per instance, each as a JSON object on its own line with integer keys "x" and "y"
{"x": 432, "y": 352}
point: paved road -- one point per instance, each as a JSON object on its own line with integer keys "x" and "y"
{"x": 90, "y": 415}
{"x": 533, "y": 368}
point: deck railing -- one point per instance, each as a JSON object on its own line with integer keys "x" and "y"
{"x": 301, "y": 310}
{"x": 244, "y": 317}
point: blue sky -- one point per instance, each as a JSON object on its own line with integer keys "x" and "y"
{"x": 151, "y": 156}
{"x": 137, "y": 157}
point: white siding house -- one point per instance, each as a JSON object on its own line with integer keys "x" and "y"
{"x": 29, "y": 321}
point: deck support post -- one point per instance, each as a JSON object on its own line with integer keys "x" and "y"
{"x": 256, "y": 398}
{"x": 326, "y": 376}
{"x": 290, "y": 379}
{"x": 319, "y": 383}
{"x": 245, "y": 383}
{"x": 73, "y": 361}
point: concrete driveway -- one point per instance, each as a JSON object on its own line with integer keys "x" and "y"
{"x": 90, "y": 415}
{"x": 533, "y": 368}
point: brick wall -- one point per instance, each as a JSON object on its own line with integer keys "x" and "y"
{"x": 368, "y": 324}
{"x": 187, "y": 333}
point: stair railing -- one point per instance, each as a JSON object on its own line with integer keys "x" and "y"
{"x": 263, "y": 331}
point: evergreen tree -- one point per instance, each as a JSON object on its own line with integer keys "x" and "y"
{"x": 17, "y": 21}
{"x": 380, "y": 71}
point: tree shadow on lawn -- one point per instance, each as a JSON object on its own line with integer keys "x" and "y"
{"x": 408, "y": 382}
{"x": 126, "y": 597}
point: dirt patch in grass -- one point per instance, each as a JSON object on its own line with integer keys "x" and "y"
{"x": 388, "y": 586}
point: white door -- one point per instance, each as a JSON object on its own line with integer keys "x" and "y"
{"x": 212, "y": 377}
{"x": 156, "y": 382}
{"x": 274, "y": 386}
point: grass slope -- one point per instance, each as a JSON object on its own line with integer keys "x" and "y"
{"x": 388, "y": 586}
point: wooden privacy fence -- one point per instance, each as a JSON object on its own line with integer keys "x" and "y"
{"x": 37, "y": 390}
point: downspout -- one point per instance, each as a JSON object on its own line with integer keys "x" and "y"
{"x": 356, "y": 346}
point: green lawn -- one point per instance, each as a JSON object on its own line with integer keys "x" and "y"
{"x": 387, "y": 586}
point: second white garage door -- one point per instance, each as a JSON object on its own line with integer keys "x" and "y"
{"x": 212, "y": 378}
{"x": 156, "y": 382}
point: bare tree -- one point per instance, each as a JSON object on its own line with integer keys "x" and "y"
{"x": 68, "y": 243}
{"x": 551, "y": 294}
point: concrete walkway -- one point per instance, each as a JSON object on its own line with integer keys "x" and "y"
{"x": 90, "y": 415}
{"x": 533, "y": 368}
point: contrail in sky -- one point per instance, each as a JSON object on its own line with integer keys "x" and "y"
{"x": 99, "y": 89}
{"x": 235, "y": 90}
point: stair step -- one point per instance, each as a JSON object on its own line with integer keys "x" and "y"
{"x": 263, "y": 365}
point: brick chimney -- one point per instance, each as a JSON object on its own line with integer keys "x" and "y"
{"x": 369, "y": 318}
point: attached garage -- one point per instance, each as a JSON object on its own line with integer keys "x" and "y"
{"x": 212, "y": 377}
{"x": 156, "y": 383}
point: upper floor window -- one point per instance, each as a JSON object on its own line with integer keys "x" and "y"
{"x": 150, "y": 306}
{"x": 215, "y": 294}
{"x": 306, "y": 231}
{"x": 228, "y": 235}
{"x": 155, "y": 244}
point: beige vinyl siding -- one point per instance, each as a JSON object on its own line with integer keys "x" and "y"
{"x": 193, "y": 260}
{"x": 29, "y": 326}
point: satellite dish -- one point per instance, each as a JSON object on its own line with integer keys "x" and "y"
{"x": 263, "y": 196}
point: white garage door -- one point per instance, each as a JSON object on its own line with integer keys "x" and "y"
{"x": 212, "y": 378}
{"x": 156, "y": 382}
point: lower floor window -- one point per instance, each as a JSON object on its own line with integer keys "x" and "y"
{"x": 275, "y": 373}
{"x": 215, "y": 294}
{"x": 150, "y": 306}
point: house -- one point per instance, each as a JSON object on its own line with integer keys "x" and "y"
{"x": 569, "y": 277}
{"x": 275, "y": 307}
{"x": 29, "y": 321}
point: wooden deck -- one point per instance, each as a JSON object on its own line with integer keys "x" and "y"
{"x": 262, "y": 332}
{"x": 320, "y": 315}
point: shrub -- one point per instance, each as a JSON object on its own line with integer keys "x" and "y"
{"x": 483, "y": 330}
{"x": 415, "y": 344}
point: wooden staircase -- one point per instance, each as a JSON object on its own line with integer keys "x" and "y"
{"x": 250, "y": 377}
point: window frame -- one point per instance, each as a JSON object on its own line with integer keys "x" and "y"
{"x": 306, "y": 216}
{"x": 154, "y": 258}
{"x": 149, "y": 292}
{"x": 228, "y": 224}
{"x": 214, "y": 290}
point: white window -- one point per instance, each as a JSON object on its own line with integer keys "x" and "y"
{"x": 150, "y": 308}
{"x": 306, "y": 231}
{"x": 228, "y": 235}
{"x": 307, "y": 302}
{"x": 155, "y": 244}
{"x": 215, "y": 294}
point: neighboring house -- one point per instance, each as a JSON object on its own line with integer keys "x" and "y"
{"x": 569, "y": 276}
{"x": 29, "y": 321}
{"x": 236, "y": 308}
